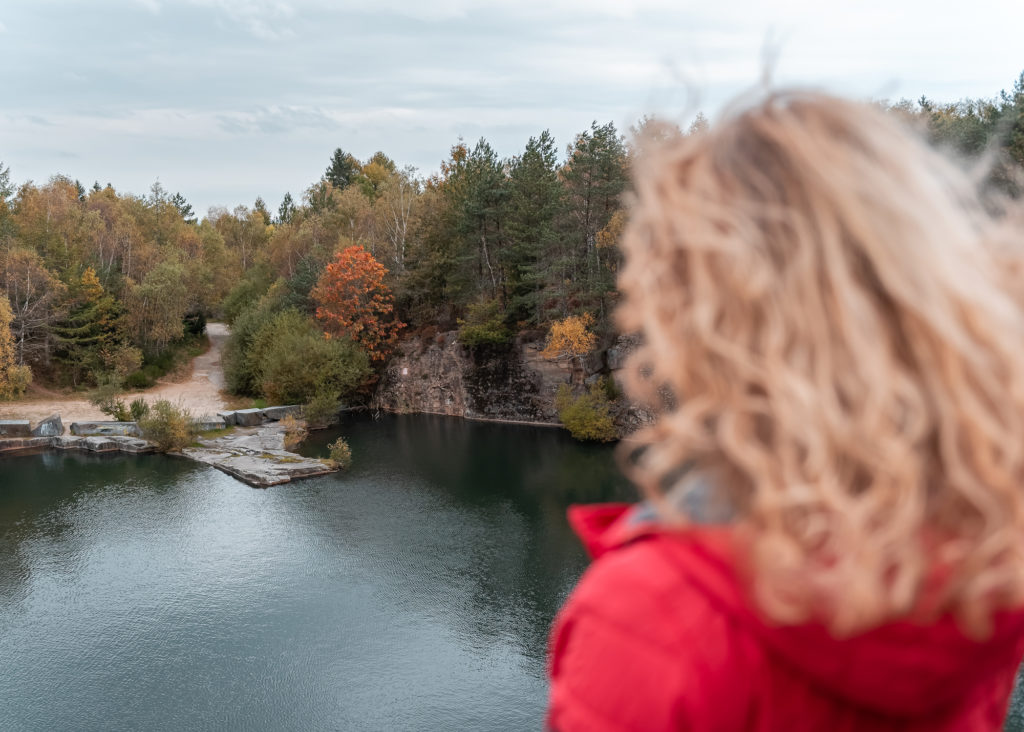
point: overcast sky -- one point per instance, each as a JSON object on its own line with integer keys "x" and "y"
{"x": 227, "y": 100}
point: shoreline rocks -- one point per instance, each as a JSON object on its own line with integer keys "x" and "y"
{"x": 256, "y": 456}
{"x": 93, "y": 443}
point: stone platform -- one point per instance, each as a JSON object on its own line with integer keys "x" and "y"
{"x": 256, "y": 455}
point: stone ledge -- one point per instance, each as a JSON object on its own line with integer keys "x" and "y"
{"x": 254, "y": 456}
{"x": 117, "y": 443}
{"x": 14, "y": 445}
{"x": 106, "y": 429}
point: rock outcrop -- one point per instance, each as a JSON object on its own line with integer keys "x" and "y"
{"x": 512, "y": 384}
{"x": 440, "y": 376}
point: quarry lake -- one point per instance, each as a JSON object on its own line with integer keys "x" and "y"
{"x": 414, "y": 592}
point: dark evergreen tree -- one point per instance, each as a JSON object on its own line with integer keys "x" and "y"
{"x": 260, "y": 207}
{"x": 87, "y": 335}
{"x": 184, "y": 208}
{"x": 286, "y": 210}
{"x": 483, "y": 196}
{"x": 342, "y": 170}
{"x": 596, "y": 174}
{"x": 536, "y": 202}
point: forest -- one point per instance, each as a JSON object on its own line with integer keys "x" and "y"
{"x": 105, "y": 288}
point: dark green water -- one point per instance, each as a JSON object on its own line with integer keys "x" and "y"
{"x": 413, "y": 593}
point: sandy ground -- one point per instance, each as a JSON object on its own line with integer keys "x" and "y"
{"x": 200, "y": 393}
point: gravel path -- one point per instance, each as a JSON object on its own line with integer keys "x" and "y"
{"x": 200, "y": 393}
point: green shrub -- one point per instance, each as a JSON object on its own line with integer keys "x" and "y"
{"x": 484, "y": 325}
{"x": 239, "y": 359}
{"x": 139, "y": 380}
{"x": 138, "y": 409}
{"x": 150, "y": 368}
{"x": 293, "y": 362}
{"x": 586, "y": 416}
{"x": 611, "y": 388}
{"x": 321, "y": 411}
{"x": 106, "y": 397}
{"x": 341, "y": 453}
{"x": 169, "y": 426}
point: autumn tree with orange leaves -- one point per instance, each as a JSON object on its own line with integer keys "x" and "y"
{"x": 353, "y": 301}
{"x": 570, "y": 340}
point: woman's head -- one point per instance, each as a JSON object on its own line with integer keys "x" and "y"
{"x": 833, "y": 318}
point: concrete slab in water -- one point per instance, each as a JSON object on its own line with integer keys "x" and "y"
{"x": 257, "y": 456}
{"x": 116, "y": 443}
{"x": 14, "y": 445}
{"x": 98, "y": 443}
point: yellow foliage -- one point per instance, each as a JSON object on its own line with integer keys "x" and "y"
{"x": 570, "y": 338}
{"x": 610, "y": 235}
{"x": 14, "y": 379}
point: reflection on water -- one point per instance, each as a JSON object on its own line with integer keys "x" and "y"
{"x": 414, "y": 592}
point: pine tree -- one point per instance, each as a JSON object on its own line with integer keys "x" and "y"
{"x": 260, "y": 207}
{"x": 286, "y": 210}
{"x": 90, "y": 330}
{"x": 595, "y": 175}
{"x": 184, "y": 208}
{"x": 536, "y": 201}
{"x": 342, "y": 170}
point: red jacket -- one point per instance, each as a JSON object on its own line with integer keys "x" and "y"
{"x": 658, "y": 635}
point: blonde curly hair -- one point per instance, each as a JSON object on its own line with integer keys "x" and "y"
{"x": 833, "y": 328}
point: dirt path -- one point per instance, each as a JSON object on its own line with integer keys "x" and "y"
{"x": 200, "y": 393}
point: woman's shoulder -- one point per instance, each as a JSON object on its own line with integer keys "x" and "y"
{"x": 654, "y": 629}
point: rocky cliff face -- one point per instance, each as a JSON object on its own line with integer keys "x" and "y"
{"x": 438, "y": 375}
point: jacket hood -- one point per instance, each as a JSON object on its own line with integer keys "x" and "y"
{"x": 901, "y": 669}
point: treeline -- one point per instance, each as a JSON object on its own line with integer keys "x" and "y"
{"x": 534, "y": 233}
{"x": 973, "y": 128}
{"x": 494, "y": 244}
{"x": 103, "y": 285}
